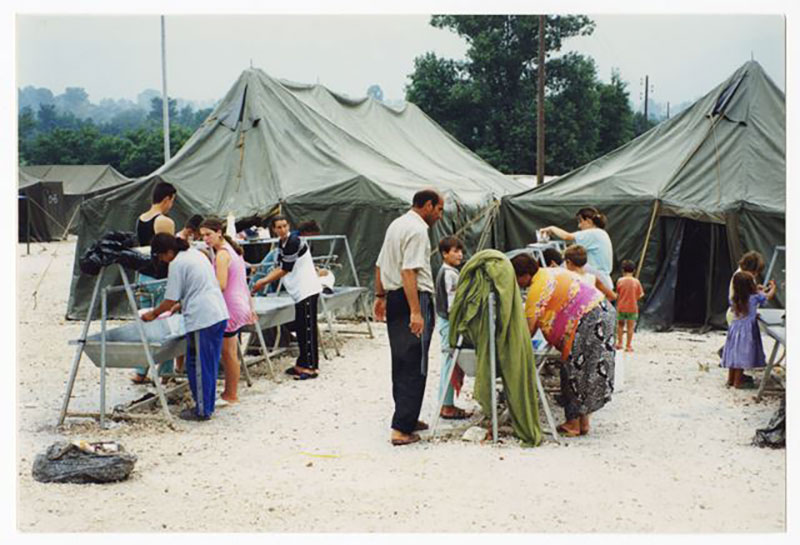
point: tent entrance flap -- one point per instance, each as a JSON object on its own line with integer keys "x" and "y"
{"x": 692, "y": 286}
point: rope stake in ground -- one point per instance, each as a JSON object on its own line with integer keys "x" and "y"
{"x": 39, "y": 283}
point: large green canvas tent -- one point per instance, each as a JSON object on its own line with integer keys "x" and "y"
{"x": 78, "y": 183}
{"x": 352, "y": 165}
{"x": 684, "y": 200}
{"x": 42, "y": 209}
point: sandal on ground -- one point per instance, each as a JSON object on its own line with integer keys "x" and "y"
{"x": 567, "y": 432}
{"x": 141, "y": 379}
{"x": 305, "y": 376}
{"x": 747, "y": 378}
{"x": 746, "y": 385}
{"x": 413, "y": 438}
{"x": 628, "y": 349}
{"x": 421, "y": 426}
{"x": 457, "y": 414}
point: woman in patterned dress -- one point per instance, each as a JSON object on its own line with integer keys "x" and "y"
{"x": 578, "y": 321}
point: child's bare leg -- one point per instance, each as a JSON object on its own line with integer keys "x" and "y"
{"x": 731, "y": 376}
{"x": 620, "y": 325}
{"x": 737, "y": 377}
{"x": 629, "y": 325}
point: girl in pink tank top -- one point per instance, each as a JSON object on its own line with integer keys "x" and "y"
{"x": 232, "y": 276}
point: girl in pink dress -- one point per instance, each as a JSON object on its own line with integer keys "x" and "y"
{"x": 232, "y": 276}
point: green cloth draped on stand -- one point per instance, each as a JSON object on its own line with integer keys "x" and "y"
{"x": 469, "y": 316}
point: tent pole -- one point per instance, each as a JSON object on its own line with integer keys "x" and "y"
{"x": 28, "y": 224}
{"x": 164, "y": 96}
{"x": 69, "y": 223}
{"x": 647, "y": 239}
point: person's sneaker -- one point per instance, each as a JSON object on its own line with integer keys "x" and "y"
{"x": 192, "y": 416}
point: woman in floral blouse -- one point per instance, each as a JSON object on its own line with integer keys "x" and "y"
{"x": 578, "y": 321}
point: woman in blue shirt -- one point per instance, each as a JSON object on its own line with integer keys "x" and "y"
{"x": 592, "y": 236}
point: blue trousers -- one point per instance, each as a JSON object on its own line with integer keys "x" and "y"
{"x": 203, "y": 377}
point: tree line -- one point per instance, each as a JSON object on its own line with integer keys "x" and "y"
{"x": 488, "y": 101}
{"x": 63, "y": 130}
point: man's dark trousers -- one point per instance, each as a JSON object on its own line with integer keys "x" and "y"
{"x": 409, "y": 357}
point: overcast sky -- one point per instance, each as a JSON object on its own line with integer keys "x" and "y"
{"x": 119, "y": 56}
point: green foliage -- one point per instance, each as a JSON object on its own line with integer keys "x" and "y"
{"x": 157, "y": 111}
{"x": 572, "y": 113}
{"x": 488, "y": 101}
{"x": 441, "y": 88}
{"x": 131, "y": 140}
{"x": 616, "y": 116}
{"x": 124, "y": 121}
{"x": 640, "y": 125}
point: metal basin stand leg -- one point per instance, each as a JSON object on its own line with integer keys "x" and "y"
{"x": 243, "y": 365}
{"x": 329, "y": 318}
{"x": 355, "y": 281}
{"x": 366, "y": 316}
{"x": 151, "y": 364}
{"x": 79, "y": 350}
{"x": 545, "y": 404}
{"x": 104, "y": 316}
{"x": 493, "y": 365}
{"x": 321, "y": 344}
{"x": 264, "y": 350}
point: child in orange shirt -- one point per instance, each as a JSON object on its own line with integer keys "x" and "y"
{"x": 629, "y": 291}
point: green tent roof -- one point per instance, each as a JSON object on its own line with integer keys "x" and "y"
{"x": 77, "y": 179}
{"x": 351, "y": 164}
{"x": 270, "y": 141}
{"x": 724, "y": 152}
{"x": 720, "y": 163}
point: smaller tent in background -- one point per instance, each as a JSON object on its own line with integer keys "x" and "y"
{"x": 78, "y": 182}
{"x": 684, "y": 200}
{"x": 42, "y": 209}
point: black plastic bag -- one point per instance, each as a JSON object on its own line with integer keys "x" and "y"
{"x": 65, "y": 462}
{"x": 774, "y": 435}
{"x": 132, "y": 259}
{"x": 128, "y": 239}
{"x": 109, "y": 250}
{"x": 89, "y": 264}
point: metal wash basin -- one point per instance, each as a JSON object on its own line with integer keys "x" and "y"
{"x": 274, "y": 310}
{"x": 342, "y": 297}
{"x": 166, "y": 338}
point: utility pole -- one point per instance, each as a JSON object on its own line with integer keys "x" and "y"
{"x": 540, "y": 107}
{"x": 646, "y": 88}
{"x": 668, "y": 109}
{"x": 164, "y": 96}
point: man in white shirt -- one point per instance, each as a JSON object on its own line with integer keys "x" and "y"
{"x": 404, "y": 298}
